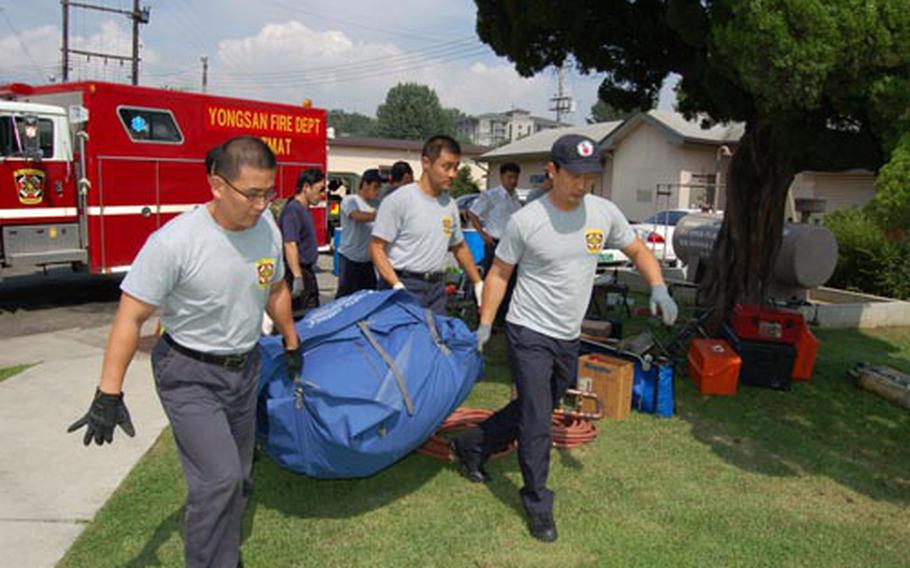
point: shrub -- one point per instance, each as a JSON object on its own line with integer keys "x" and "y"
{"x": 464, "y": 183}
{"x": 867, "y": 260}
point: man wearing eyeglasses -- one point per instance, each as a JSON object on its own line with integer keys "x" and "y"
{"x": 301, "y": 251}
{"x": 210, "y": 273}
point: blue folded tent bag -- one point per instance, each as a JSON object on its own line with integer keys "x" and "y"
{"x": 380, "y": 375}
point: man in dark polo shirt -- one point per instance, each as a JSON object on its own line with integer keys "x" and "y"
{"x": 299, "y": 235}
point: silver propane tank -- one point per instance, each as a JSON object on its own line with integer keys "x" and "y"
{"x": 807, "y": 257}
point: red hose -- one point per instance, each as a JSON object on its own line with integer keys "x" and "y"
{"x": 568, "y": 432}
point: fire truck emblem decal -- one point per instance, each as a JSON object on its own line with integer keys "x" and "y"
{"x": 29, "y": 185}
{"x": 265, "y": 269}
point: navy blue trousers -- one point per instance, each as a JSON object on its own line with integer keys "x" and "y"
{"x": 430, "y": 295}
{"x": 543, "y": 368}
{"x": 354, "y": 276}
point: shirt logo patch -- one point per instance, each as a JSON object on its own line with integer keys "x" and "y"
{"x": 29, "y": 185}
{"x": 265, "y": 270}
{"x": 447, "y": 226}
{"x": 594, "y": 240}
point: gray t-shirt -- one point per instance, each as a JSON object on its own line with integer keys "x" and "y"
{"x": 556, "y": 253}
{"x": 355, "y": 236}
{"x": 210, "y": 284}
{"x": 419, "y": 229}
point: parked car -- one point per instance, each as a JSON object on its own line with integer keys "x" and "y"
{"x": 464, "y": 203}
{"x": 657, "y": 233}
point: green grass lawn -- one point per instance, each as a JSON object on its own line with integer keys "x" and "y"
{"x": 7, "y": 372}
{"x": 819, "y": 476}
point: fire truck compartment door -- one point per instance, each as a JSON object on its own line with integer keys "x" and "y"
{"x": 42, "y": 244}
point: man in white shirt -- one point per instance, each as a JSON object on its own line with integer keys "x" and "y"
{"x": 490, "y": 213}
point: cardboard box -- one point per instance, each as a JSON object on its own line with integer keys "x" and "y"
{"x": 610, "y": 378}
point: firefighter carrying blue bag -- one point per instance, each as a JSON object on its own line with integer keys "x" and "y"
{"x": 380, "y": 375}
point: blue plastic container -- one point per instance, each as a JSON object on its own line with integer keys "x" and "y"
{"x": 475, "y": 244}
{"x": 336, "y": 242}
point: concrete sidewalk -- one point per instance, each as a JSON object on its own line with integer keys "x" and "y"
{"x": 51, "y": 486}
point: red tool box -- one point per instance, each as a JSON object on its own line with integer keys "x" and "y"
{"x": 713, "y": 366}
{"x": 759, "y": 323}
{"x": 806, "y": 351}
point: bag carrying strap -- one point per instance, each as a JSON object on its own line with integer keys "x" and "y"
{"x": 434, "y": 333}
{"x": 298, "y": 392}
{"x": 399, "y": 378}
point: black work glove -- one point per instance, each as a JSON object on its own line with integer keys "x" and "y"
{"x": 106, "y": 411}
{"x": 294, "y": 360}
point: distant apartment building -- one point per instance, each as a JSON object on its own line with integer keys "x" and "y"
{"x": 495, "y": 129}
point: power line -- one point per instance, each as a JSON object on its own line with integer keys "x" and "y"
{"x": 369, "y": 62}
{"x": 362, "y": 75}
{"x": 321, "y": 16}
{"x": 378, "y": 65}
{"x": 21, "y": 43}
{"x": 137, "y": 15}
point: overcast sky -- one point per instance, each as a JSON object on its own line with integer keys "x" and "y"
{"x": 341, "y": 54}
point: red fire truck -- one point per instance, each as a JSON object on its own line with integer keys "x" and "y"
{"x": 88, "y": 170}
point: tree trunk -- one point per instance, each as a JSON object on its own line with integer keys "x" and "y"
{"x": 761, "y": 171}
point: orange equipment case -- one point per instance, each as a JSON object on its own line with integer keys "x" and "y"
{"x": 714, "y": 366}
{"x": 806, "y": 351}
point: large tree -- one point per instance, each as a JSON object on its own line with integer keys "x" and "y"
{"x": 605, "y": 112}
{"x": 820, "y": 85}
{"x": 413, "y": 112}
{"x": 351, "y": 123}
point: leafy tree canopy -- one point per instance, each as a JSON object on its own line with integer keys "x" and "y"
{"x": 605, "y": 112}
{"x": 351, "y": 123}
{"x": 463, "y": 183}
{"x": 413, "y": 112}
{"x": 837, "y": 68}
{"x": 820, "y": 85}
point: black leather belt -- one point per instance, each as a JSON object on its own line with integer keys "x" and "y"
{"x": 233, "y": 362}
{"x": 425, "y": 276}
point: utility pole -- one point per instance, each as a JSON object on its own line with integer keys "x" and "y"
{"x": 66, "y": 40}
{"x": 205, "y": 72}
{"x": 137, "y": 15}
{"x": 562, "y": 103}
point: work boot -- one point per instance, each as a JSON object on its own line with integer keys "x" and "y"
{"x": 543, "y": 527}
{"x": 470, "y": 466}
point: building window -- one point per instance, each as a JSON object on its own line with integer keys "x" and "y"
{"x": 150, "y": 125}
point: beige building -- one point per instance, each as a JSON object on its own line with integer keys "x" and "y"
{"x": 533, "y": 152}
{"x": 658, "y": 160}
{"x": 349, "y": 157}
{"x": 495, "y": 128}
{"x": 840, "y": 190}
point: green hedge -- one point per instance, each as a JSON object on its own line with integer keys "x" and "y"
{"x": 868, "y": 261}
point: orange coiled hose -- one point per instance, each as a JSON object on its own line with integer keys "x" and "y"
{"x": 568, "y": 432}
